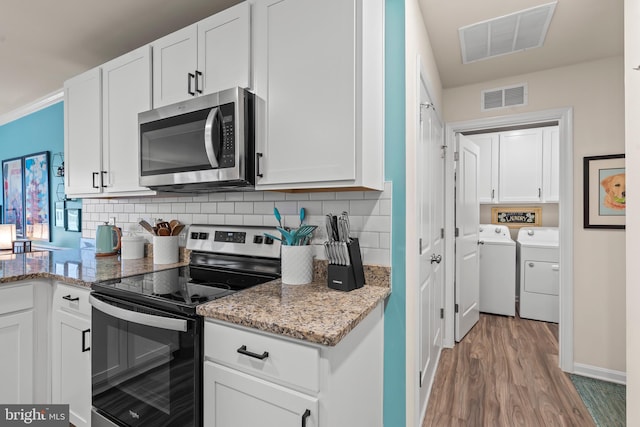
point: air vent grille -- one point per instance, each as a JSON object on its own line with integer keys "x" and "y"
{"x": 509, "y": 96}
{"x": 511, "y": 33}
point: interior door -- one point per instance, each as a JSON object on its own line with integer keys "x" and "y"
{"x": 431, "y": 222}
{"x": 467, "y": 226}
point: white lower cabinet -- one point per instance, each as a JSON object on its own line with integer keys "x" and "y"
{"x": 256, "y": 378}
{"x": 234, "y": 398}
{"x": 16, "y": 344}
{"x": 71, "y": 352}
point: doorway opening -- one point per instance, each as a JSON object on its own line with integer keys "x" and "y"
{"x": 563, "y": 118}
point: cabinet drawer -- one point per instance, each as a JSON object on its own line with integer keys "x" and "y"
{"x": 16, "y": 298}
{"x": 72, "y": 299}
{"x": 284, "y": 361}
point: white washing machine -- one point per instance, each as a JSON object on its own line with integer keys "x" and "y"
{"x": 497, "y": 270}
{"x": 539, "y": 273}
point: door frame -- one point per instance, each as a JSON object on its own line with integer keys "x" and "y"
{"x": 564, "y": 117}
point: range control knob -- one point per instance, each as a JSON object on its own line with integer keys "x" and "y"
{"x": 258, "y": 239}
{"x": 268, "y": 240}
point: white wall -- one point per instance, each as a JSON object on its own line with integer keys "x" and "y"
{"x": 632, "y": 112}
{"x": 369, "y": 214}
{"x": 595, "y": 91}
{"x": 418, "y": 48}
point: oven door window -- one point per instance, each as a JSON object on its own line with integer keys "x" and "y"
{"x": 144, "y": 375}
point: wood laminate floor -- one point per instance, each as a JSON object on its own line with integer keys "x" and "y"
{"x": 505, "y": 373}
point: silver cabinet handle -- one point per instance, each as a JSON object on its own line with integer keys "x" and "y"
{"x": 140, "y": 318}
{"x": 531, "y": 264}
{"x": 637, "y": 68}
{"x": 539, "y": 193}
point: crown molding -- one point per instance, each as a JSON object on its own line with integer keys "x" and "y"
{"x": 38, "y": 104}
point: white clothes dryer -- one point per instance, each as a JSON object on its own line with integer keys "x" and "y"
{"x": 539, "y": 273}
{"x": 497, "y": 270}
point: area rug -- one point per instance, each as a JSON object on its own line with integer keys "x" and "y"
{"x": 605, "y": 401}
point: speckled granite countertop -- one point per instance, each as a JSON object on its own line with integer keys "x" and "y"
{"x": 313, "y": 312}
{"x": 73, "y": 266}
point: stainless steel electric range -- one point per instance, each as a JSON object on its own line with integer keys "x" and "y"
{"x": 146, "y": 342}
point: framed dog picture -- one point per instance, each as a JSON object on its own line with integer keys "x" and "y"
{"x": 604, "y": 192}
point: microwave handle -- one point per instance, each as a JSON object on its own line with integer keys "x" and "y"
{"x": 140, "y": 318}
{"x": 213, "y": 135}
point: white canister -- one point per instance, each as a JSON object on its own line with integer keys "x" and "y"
{"x": 132, "y": 247}
{"x": 297, "y": 264}
{"x": 165, "y": 249}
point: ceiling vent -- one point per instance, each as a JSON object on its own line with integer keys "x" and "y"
{"x": 508, "y": 96}
{"x": 512, "y": 33}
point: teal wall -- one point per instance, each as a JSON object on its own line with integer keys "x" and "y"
{"x": 40, "y": 131}
{"x": 395, "y": 330}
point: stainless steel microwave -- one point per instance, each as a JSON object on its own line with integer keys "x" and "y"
{"x": 201, "y": 145}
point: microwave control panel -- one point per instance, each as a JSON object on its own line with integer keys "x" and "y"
{"x": 228, "y": 145}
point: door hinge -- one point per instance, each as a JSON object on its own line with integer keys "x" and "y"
{"x": 443, "y": 154}
{"x": 456, "y": 307}
{"x": 420, "y": 378}
{"x": 457, "y": 232}
{"x": 420, "y": 245}
{"x": 456, "y": 156}
{"x": 442, "y": 313}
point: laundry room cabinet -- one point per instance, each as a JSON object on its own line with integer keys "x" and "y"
{"x": 101, "y": 127}
{"x": 519, "y": 166}
{"x": 71, "y": 352}
{"x": 206, "y": 57}
{"x": 318, "y": 74}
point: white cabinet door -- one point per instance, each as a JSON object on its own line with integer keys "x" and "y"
{"x": 232, "y": 399}
{"x": 174, "y": 65}
{"x": 126, "y": 83}
{"x": 305, "y": 71}
{"x": 16, "y": 358}
{"x": 71, "y": 365}
{"x": 488, "y": 166}
{"x": 82, "y": 133}
{"x": 224, "y": 50}
{"x": 521, "y": 166}
{"x": 551, "y": 164}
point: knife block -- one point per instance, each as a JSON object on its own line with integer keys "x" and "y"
{"x": 347, "y": 277}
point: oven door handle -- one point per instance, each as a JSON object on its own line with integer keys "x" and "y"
{"x": 141, "y": 318}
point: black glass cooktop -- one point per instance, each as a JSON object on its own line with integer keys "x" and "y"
{"x": 179, "y": 289}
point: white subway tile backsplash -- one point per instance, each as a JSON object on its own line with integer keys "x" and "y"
{"x": 226, "y": 208}
{"x": 363, "y": 207}
{"x": 234, "y": 197}
{"x": 244, "y": 208}
{"x": 369, "y": 214}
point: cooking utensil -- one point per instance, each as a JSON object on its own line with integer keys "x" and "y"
{"x": 173, "y": 223}
{"x": 302, "y": 215}
{"x": 163, "y": 224}
{"x": 147, "y": 226}
{"x": 177, "y": 229}
{"x": 276, "y": 213}
{"x": 164, "y": 231}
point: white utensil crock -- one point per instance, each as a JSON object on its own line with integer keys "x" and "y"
{"x": 132, "y": 247}
{"x": 297, "y": 264}
{"x": 165, "y": 249}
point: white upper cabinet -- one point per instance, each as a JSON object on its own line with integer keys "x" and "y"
{"x": 551, "y": 164}
{"x": 209, "y": 56}
{"x": 126, "y": 91}
{"x": 318, "y": 78}
{"x": 489, "y": 144}
{"x": 520, "y": 168}
{"x": 82, "y": 132}
{"x": 101, "y": 127}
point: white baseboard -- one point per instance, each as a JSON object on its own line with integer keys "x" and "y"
{"x": 600, "y": 373}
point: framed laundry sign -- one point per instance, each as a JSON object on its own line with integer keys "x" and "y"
{"x": 517, "y": 217}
